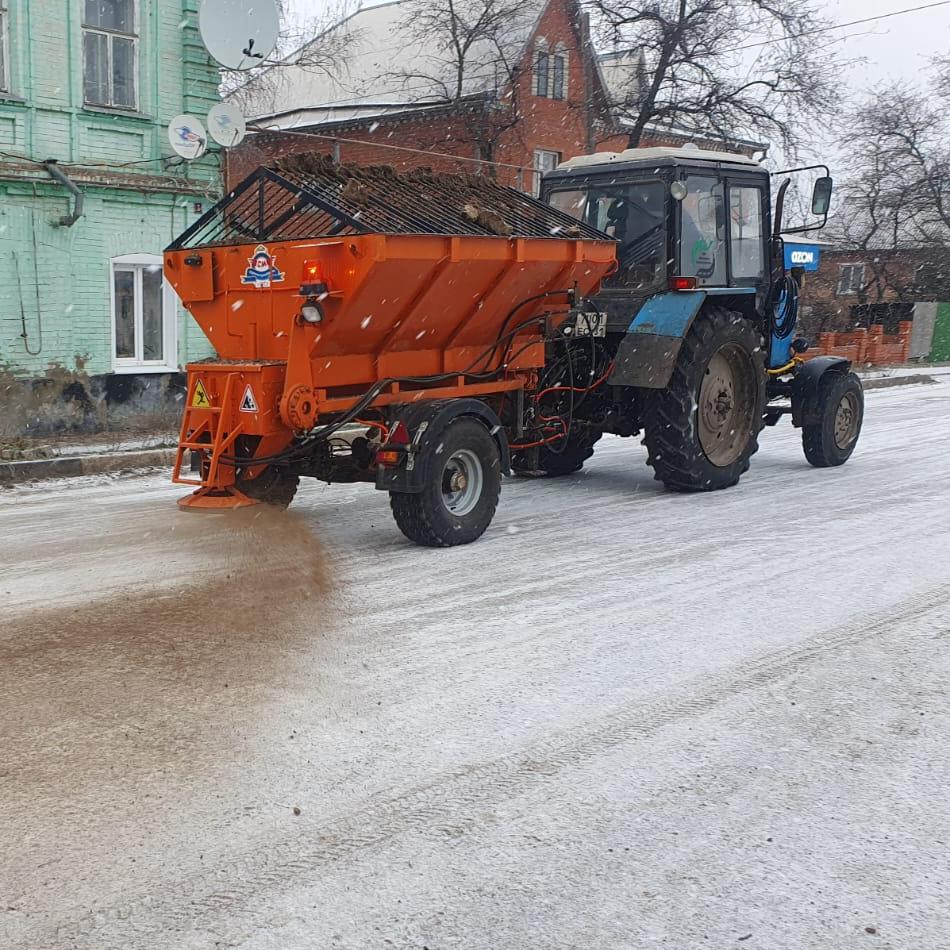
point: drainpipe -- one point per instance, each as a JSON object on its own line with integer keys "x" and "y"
{"x": 67, "y": 220}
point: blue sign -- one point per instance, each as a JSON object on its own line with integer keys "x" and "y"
{"x": 805, "y": 256}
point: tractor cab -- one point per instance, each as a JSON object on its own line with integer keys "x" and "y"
{"x": 691, "y": 220}
{"x": 697, "y": 320}
{"x": 683, "y": 219}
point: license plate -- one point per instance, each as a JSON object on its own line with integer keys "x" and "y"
{"x": 590, "y": 324}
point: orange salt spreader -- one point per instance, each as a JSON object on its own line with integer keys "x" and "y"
{"x": 375, "y": 327}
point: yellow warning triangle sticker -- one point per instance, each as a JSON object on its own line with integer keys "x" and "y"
{"x": 199, "y": 399}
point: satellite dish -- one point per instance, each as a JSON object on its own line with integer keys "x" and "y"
{"x": 239, "y": 34}
{"x": 187, "y": 136}
{"x": 226, "y": 124}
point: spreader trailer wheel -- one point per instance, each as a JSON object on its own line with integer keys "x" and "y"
{"x": 460, "y": 488}
{"x": 830, "y": 437}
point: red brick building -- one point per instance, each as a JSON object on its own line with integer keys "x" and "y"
{"x": 547, "y": 98}
{"x": 861, "y": 287}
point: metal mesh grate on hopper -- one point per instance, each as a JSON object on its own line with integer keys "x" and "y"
{"x": 305, "y": 197}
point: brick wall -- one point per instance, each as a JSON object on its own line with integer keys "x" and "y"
{"x": 866, "y": 346}
{"x": 890, "y": 277}
{"x": 449, "y": 135}
{"x": 559, "y": 125}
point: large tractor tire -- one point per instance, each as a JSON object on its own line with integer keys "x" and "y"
{"x": 273, "y": 486}
{"x": 552, "y": 462}
{"x": 460, "y": 495}
{"x": 831, "y": 438}
{"x": 702, "y": 430}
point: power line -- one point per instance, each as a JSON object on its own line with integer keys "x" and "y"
{"x": 356, "y": 99}
{"x": 839, "y": 26}
{"x": 396, "y": 148}
{"x": 459, "y": 158}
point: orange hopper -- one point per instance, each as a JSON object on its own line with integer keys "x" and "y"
{"x": 324, "y": 289}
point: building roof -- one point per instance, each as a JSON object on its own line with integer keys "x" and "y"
{"x": 659, "y": 155}
{"x": 385, "y": 68}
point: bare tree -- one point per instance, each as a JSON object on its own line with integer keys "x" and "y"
{"x": 894, "y": 200}
{"x": 471, "y": 61}
{"x": 897, "y": 152}
{"x": 722, "y": 68}
{"x": 892, "y": 207}
{"x": 313, "y": 45}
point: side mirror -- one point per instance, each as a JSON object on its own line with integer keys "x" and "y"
{"x": 821, "y": 196}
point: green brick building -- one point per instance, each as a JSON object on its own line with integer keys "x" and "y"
{"x": 91, "y": 85}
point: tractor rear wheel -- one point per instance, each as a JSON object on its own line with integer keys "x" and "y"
{"x": 460, "y": 494}
{"x": 273, "y": 486}
{"x": 702, "y": 430}
{"x": 831, "y": 439}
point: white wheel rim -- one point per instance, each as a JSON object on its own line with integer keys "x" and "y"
{"x": 462, "y": 482}
{"x": 846, "y": 420}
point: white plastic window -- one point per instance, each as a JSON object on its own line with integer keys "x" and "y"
{"x": 850, "y": 279}
{"x": 544, "y": 161}
{"x": 542, "y": 70}
{"x": 110, "y": 53}
{"x": 4, "y": 47}
{"x": 143, "y": 315}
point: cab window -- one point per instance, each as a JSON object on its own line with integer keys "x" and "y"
{"x": 745, "y": 233}
{"x": 571, "y": 202}
{"x": 703, "y": 232}
{"x": 634, "y": 215}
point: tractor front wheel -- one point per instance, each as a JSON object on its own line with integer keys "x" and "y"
{"x": 460, "y": 494}
{"x": 703, "y": 428}
{"x": 830, "y": 439}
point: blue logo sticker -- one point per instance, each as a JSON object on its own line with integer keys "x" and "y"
{"x": 262, "y": 269}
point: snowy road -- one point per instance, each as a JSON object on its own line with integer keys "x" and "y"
{"x": 624, "y": 719}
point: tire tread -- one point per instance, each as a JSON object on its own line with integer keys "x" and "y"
{"x": 673, "y": 448}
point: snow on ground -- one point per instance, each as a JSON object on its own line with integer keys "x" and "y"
{"x": 623, "y": 719}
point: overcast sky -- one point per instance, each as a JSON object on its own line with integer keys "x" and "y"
{"x": 894, "y": 48}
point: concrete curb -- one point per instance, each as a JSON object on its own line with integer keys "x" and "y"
{"x": 886, "y": 382}
{"x": 70, "y": 467}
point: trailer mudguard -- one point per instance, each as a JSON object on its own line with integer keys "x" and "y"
{"x": 806, "y": 386}
{"x": 648, "y": 352}
{"x": 426, "y": 421}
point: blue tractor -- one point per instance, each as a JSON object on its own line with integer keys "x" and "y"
{"x": 691, "y": 341}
